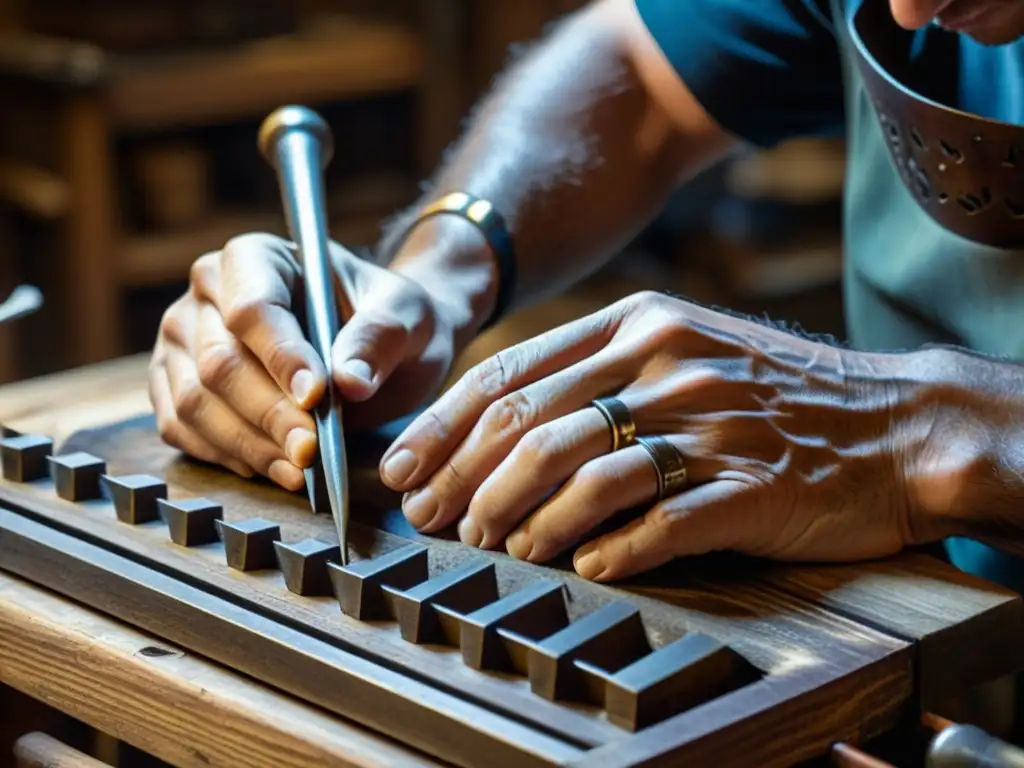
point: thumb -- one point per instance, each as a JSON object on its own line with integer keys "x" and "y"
{"x": 389, "y": 326}
{"x": 367, "y": 351}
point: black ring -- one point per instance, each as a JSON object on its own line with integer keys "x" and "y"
{"x": 669, "y": 465}
{"x": 619, "y": 419}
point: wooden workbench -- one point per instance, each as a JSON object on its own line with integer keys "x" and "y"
{"x": 188, "y": 711}
{"x": 139, "y": 689}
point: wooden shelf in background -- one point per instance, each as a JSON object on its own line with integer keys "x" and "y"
{"x": 342, "y": 59}
{"x": 33, "y": 189}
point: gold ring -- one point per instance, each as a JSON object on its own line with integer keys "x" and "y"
{"x": 668, "y": 465}
{"x": 620, "y": 422}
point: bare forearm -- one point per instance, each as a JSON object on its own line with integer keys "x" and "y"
{"x": 574, "y": 151}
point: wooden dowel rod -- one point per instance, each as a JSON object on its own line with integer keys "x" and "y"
{"x": 845, "y": 756}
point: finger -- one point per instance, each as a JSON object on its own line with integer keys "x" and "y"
{"x": 609, "y": 484}
{"x": 230, "y": 371}
{"x": 257, "y": 281}
{"x": 541, "y": 462}
{"x": 447, "y": 494}
{"x": 204, "y": 277}
{"x": 179, "y": 435}
{"x": 430, "y": 440}
{"x": 699, "y": 521}
{"x": 221, "y": 427}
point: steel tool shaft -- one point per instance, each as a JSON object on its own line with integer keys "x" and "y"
{"x": 297, "y": 142}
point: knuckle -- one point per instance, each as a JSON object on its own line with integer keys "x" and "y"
{"x": 242, "y": 447}
{"x": 514, "y": 414}
{"x": 282, "y": 356}
{"x": 218, "y": 365}
{"x": 169, "y": 429}
{"x": 539, "y": 444}
{"x": 275, "y": 415}
{"x": 241, "y": 315}
{"x": 593, "y": 481}
{"x": 245, "y": 244}
{"x": 189, "y": 403}
{"x": 171, "y": 327}
{"x": 203, "y": 273}
{"x": 491, "y": 377}
{"x": 453, "y": 477}
{"x": 646, "y": 299}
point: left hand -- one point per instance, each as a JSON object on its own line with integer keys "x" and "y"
{"x": 794, "y": 448}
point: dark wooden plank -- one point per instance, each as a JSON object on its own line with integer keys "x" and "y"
{"x": 249, "y": 544}
{"x": 693, "y": 670}
{"x": 304, "y": 566}
{"x": 135, "y": 497}
{"x": 534, "y": 612}
{"x": 463, "y": 589}
{"x": 267, "y": 591}
{"x": 316, "y": 671}
{"x": 24, "y": 457}
{"x": 358, "y": 586}
{"x": 191, "y": 522}
{"x": 777, "y": 634}
{"x": 76, "y": 476}
{"x": 609, "y": 638}
{"x": 966, "y": 630}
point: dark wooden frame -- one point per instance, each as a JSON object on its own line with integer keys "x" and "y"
{"x": 838, "y": 679}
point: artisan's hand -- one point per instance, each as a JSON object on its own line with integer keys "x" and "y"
{"x": 792, "y": 446}
{"x": 232, "y": 376}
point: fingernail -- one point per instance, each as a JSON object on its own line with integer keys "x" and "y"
{"x": 358, "y": 369}
{"x": 300, "y": 446}
{"x": 399, "y": 467}
{"x": 419, "y": 507}
{"x": 519, "y": 544}
{"x": 302, "y": 386}
{"x": 286, "y": 474}
{"x": 588, "y": 562}
{"x": 470, "y": 533}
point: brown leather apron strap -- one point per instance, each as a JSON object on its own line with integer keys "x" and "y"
{"x": 965, "y": 171}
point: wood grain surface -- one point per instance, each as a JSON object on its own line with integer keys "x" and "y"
{"x": 839, "y": 678}
{"x": 176, "y": 706}
{"x": 841, "y": 649}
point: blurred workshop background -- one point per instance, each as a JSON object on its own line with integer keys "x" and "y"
{"x": 127, "y": 149}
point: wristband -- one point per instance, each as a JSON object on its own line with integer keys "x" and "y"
{"x": 482, "y": 214}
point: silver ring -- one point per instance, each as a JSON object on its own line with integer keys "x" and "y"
{"x": 620, "y": 422}
{"x": 668, "y": 465}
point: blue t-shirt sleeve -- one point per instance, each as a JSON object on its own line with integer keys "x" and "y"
{"x": 765, "y": 70}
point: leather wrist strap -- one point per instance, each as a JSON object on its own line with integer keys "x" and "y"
{"x": 482, "y": 214}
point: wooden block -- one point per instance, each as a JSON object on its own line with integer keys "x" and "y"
{"x": 535, "y": 612}
{"x": 462, "y": 590}
{"x": 77, "y": 475}
{"x": 135, "y": 497}
{"x": 24, "y": 457}
{"x": 191, "y": 521}
{"x": 609, "y": 638}
{"x": 966, "y": 630}
{"x": 249, "y": 544}
{"x": 693, "y": 670}
{"x": 358, "y": 585}
{"x": 304, "y": 566}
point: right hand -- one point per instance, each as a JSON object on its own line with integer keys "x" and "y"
{"x": 232, "y": 378}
